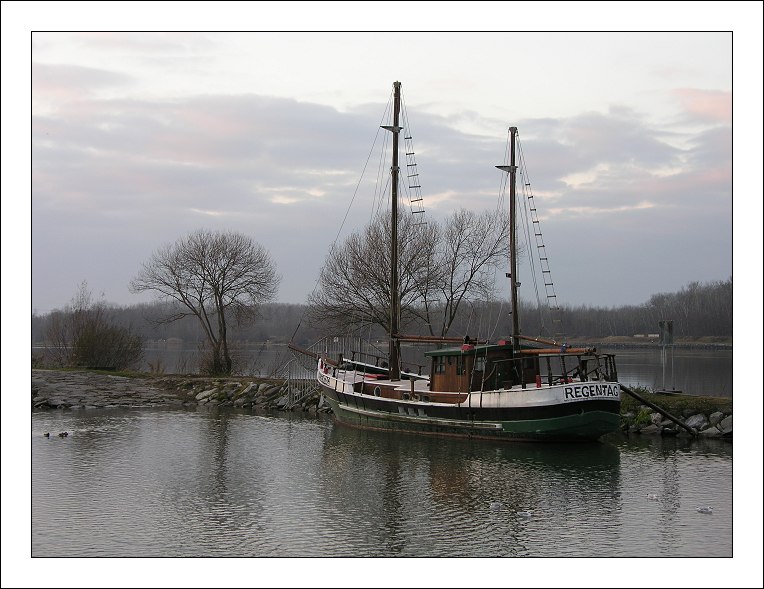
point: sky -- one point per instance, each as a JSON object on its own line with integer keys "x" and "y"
{"x": 140, "y": 138}
{"x": 115, "y": 144}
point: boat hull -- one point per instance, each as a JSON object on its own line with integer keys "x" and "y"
{"x": 585, "y": 420}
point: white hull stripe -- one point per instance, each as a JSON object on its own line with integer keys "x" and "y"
{"x": 428, "y": 420}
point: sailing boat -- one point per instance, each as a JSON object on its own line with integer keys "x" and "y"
{"x": 516, "y": 388}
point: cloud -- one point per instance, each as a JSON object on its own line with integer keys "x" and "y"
{"x": 710, "y": 106}
{"x": 56, "y": 85}
{"x": 114, "y": 179}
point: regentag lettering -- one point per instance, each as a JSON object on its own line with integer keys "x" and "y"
{"x": 588, "y": 391}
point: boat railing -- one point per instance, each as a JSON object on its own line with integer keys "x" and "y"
{"x": 380, "y": 361}
{"x": 353, "y": 348}
{"x": 301, "y": 370}
{"x": 301, "y": 382}
{"x": 566, "y": 367}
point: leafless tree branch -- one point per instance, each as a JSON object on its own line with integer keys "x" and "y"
{"x": 216, "y": 276}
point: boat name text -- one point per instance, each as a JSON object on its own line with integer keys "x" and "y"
{"x": 587, "y": 391}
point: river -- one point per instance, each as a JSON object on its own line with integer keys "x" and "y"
{"x": 188, "y": 483}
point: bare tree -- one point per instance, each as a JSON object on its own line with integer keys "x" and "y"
{"x": 470, "y": 249}
{"x": 216, "y": 276}
{"x": 354, "y": 283}
{"x": 58, "y": 338}
{"x": 439, "y": 268}
{"x": 85, "y": 334}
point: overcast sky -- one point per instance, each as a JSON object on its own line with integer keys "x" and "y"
{"x": 139, "y": 139}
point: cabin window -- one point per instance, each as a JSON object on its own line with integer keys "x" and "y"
{"x": 480, "y": 364}
{"x": 440, "y": 366}
{"x": 459, "y": 365}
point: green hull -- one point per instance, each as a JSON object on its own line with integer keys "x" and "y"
{"x": 588, "y": 426}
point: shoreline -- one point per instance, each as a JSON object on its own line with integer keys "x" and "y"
{"x": 85, "y": 389}
{"x": 653, "y": 342}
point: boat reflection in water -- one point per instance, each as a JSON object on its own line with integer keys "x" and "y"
{"x": 421, "y": 497}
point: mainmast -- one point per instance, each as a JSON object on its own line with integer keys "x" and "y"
{"x": 512, "y": 169}
{"x": 394, "y": 349}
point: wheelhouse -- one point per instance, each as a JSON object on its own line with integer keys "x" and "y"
{"x": 498, "y": 366}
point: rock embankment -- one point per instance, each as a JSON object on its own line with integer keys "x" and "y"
{"x": 645, "y": 421}
{"x": 60, "y": 389}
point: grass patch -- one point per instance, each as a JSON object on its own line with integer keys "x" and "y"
{"x": 677, "y": 405}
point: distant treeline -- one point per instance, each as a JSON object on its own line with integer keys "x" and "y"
{"x": 697, "y": 310}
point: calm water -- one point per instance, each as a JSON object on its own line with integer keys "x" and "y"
{"x": 170, "y": 483}
{"x": 695, "y": 372}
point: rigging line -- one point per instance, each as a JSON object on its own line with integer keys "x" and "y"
{"x": 375, "y": 210}
{"x": 380, "y": 189}
{"x": 347, "y": 212}
{"x": 528, "y": 229}
{"x": 553, "y": 311}
{"x": 498, "y": 318}
{"x": 483, "y": 305}
{"x": 502, "y": 206}
{"x": 491, "y": 332}
{"x": 355, "y": 192}
{"x": 414, "y": 192}
{"x": 368, "y": 341}
{"x": 504, "y": 178}
{"x": 469, "y": 319}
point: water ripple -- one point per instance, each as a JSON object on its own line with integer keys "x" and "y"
{"x": 184, "y": 483}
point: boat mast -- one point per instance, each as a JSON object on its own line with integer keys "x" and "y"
{"x": 394, "y": 349}
{"x": 512, "y": 169}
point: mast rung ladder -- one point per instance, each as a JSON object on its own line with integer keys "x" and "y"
{"x": 415, "y": 198}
